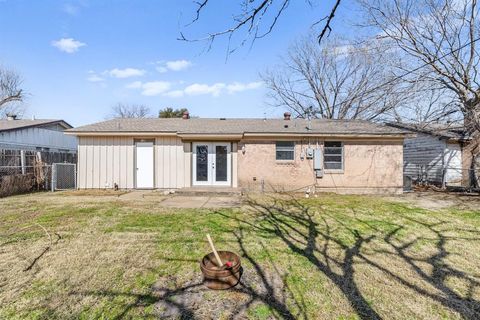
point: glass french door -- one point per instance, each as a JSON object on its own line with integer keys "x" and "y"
{"x": 211, "y": 164}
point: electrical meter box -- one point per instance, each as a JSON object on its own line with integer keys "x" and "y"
{"x": 309, "y": 153}
{"x": 318, "y": 163}
{"x": 317, "y": 160}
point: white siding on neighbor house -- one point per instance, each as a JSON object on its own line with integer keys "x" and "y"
{"x": 453, "y": 163}
{"x": 103, "y": 161}
{"x": 31, "y": 138}
{"x": 430, "y": 153}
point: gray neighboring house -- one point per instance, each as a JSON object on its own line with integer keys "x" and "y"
{"x": 36, "y": 135}
{"x": 436, "y": 153}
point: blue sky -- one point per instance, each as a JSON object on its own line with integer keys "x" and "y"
{"x": 79, "y": 58}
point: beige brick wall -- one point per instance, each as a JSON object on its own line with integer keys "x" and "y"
{"x": 369, "y": 167}
{"x": 468, "y": 150}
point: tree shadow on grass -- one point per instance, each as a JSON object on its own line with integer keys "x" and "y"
{"x": 295, "y": 225}
{"x": 263, "y": 284}
{"x": 467, "y": 306}
{"x": 310, "y": 235}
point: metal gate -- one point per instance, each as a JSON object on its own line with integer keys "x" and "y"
{"x": 64, "y": 176}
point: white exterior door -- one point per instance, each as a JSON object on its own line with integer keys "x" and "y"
{"x": 211, "y": 164}
{"x": 144, "y": 165}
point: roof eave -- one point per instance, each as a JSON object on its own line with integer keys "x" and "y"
{"x": 39, "y": 125}
{"x": 326, "y": 135}
{"x": 118, "y": 133}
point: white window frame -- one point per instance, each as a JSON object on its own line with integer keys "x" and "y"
{"x": 285, "y": 160}
{"x": 342, "y": 155}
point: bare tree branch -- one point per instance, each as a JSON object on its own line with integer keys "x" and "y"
{"x": 251, "y": 20}
{"x": 10, "y": 91}
{"x": 329, "y": 20}
{"x": 337, "y": 81}
{"x": 441, "y": 35}
{"x": 121, "y": 110}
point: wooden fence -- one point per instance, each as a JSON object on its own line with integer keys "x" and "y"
{"x": 26, "y": 170}
{"x": 28, "y": 158}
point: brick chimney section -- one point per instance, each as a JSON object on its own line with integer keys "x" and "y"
{"x": 286, "y": 116}
{"x": 186, "y": 115}
{"x": 11, "y": 116}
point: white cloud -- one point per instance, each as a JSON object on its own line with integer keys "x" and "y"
{"x": 161, "y": 69}
{"x": 95, "y": 78}
{"x": 174, "y": 65}
{"x": 155, "y": 88}
{"x": 199, "y": 89}
{"x": 239, "y": 87}
{"x": 126, "y": 73}
{"x": 178, "y": 65}
{"x": 174, "y": 94}
{"x": 134, "y": 85}
{"x": 68, "y": 45}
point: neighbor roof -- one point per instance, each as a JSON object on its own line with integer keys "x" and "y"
{"x": 237, "y": 126}
{"x": 448, "y": 131}
{"x": 6, "y": 125}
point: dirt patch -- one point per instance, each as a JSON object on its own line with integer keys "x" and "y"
{"x": 93, "y": 193}
{"x": 431, "y": 200}
{"x": 193, "y": 299}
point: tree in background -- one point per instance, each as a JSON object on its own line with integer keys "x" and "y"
{"x": 122, "y": 110}
{"x": 439, "y": 43}
{"x": 336, "y": 81}
{"x": 11, "y": 93}
{"x": 171, "y": 113}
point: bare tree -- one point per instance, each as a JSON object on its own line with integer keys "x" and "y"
{"x": 122, "y": 110}
{"x": 335, "y": 80}
{"x": 10, "y": 88}
{"x": 439, "y": 40}
{"x": 257, "y": 18}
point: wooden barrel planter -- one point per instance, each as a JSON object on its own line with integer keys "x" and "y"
{"x": 220, "y": 278}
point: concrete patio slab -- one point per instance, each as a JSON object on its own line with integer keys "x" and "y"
{"x": 200, "y": 202}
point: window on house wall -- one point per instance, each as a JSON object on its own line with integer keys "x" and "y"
{"x": 285, "y": 150}
{"x": 333, "y": 155}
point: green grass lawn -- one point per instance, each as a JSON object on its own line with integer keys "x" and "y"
{"x": 333, "y": 257}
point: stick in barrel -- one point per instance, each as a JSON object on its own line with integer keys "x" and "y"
{"x": 219, "y": 261}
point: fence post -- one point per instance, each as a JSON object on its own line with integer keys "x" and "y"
{"x": 75, "y": 175}
{"x": 444, "y": 179}
{"x": 22, "y": 160}
{"x": 54, "y": 173}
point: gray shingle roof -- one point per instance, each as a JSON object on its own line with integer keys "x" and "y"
{"x": 448, "y": 131}
{"x": 238, "y": 126}
{"x": 6, "y": 125}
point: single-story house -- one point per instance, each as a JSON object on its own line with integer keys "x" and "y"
{"x": 437, "y": 153}
{"x": 345, "y": 156}
{"x": 36, "y": 135}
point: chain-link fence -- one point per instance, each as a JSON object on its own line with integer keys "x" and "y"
{"x": 444, "y": 177}
{"x": 28, "y": 170}
{"x": 64, "y": 176}
{"x": 22, "y": 179}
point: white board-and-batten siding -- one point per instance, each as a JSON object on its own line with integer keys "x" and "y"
{"x": 104, "y": 161}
